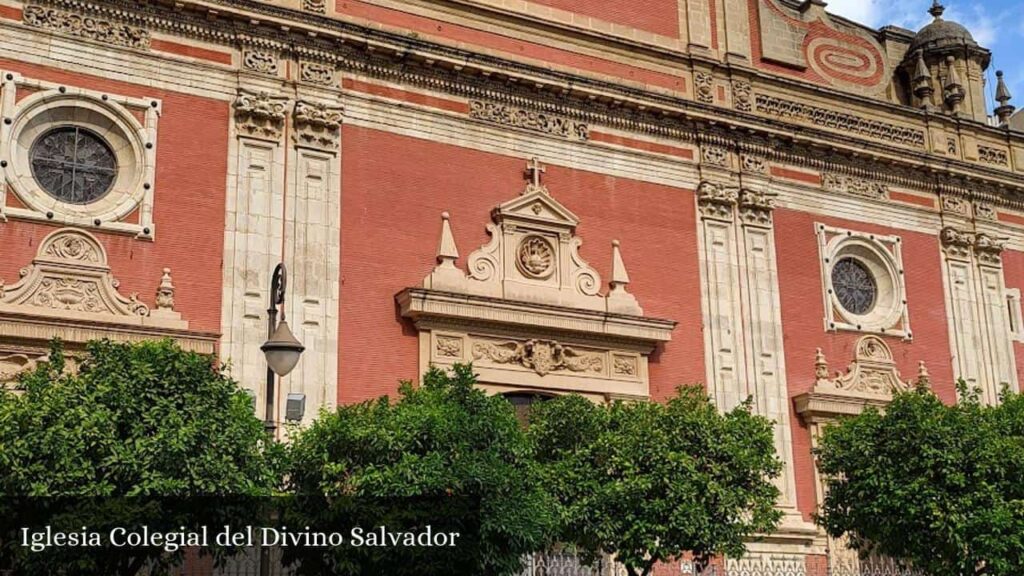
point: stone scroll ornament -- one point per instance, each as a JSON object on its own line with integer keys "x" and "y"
{"x": 70, "y": 274}
{"x": 533, "y": 256}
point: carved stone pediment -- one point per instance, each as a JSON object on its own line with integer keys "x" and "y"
{"x": 871, "y": 380}
{"x": 530, "y": 311}
{"x": 69, "y": 292}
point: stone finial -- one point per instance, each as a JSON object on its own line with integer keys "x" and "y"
{"x": 447, "y": 251}
{"x": 619, "y": 300}
{"x": 446, "y": 275}
{"x": 1003, "y": 96}
{"x": 165, "y": 292}
{"x": 820, "y": 365}
{"x": 937, "y": 10}
{"x": 620, "y": 278}
{"x": 923, "y": 378}
{"x": 165, "y": 298}
{"x": 923, "y": 88}
{"x": 954, "y": 88}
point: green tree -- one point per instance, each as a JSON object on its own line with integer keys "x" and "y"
{"x": 139, "y": 433}
{"x": 444, "y": 455}
{"x": 649, "y": 482}
{"x": 937, "y": 486}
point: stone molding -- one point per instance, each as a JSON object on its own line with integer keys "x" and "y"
{"x": 70, "y": 277}
{"x": 86, "y": 26}
{"x": 871, "y": 380}
{"x": 855, "y": 185}
{"x": 536, "y": 121}
{"x": 424, "y": 64}
{"x": 68, "y": 292}
{"x": 882, "y": 256}
{"x": 129, "y": 125}
{"x": 529, "y": 312}
{"x": 533, "y": 256}
{"x": 842, "y": 121}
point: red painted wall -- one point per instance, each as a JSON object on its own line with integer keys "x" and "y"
{"x": 658, "y": 16}
{"x": 510, "y": 47}
{"x": 188, "y": 208}
{"x": 803, "y": 313}
{"x": 1013, "y": 274}
{"x": 393, "y": 192}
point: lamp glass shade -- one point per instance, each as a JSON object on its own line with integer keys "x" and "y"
{"x": 282, "y": 350}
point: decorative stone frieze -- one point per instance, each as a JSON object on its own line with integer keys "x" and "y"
{"x": 260, "y": 115}
{"x": 705, "y": 85}
{"x": 14, "y": 364}
{"x": 742, "y": 96}
{"x": 841, "y": 121}
{"x": 317, "y": 6}
{"x": 86, "y": 26}
{"x": 317, "y": 124}
{"x": 541, "y": 356}
{"x": 854, "y": 185}
{"x": 715, "y": 156}
{"x": 529, "y": 313}
{"x": 956, "y": 205}
{"x": 754, "y": 164}
{"x": 319, "y": 73}
{"x": 985, "y": 211}
{"x": 543, "y": 122}
{"x": 261, "y": 61}
{"x": 995, "y": 156}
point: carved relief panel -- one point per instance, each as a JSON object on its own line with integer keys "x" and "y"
{"x": 530, "y": 314}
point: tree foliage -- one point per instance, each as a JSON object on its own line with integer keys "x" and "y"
{"x": 445, "y": 455}
{"x": 130, "y": 436}
{"x": 649, "y": 482}
{"x": 935, "y": 485}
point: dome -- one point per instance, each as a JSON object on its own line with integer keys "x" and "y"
{"x": 942, "y": 33}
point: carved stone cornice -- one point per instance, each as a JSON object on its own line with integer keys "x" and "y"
{"x": 854, "y": 185}
{"x": 86, "y": 26}
{"x": 716, "y": 201}
{"x": 317, "y": 124}
{"x": 537, "y": 121}
{"x": 260, "y": 114}
{"x": 861, "y": 141}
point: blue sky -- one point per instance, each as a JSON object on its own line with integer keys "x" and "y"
{"x": 996, "y": 24}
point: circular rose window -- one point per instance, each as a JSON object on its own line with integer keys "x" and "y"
{"x": 855, "y": 286}
{"x": 73, "y": 164}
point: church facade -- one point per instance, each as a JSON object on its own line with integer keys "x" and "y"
{"x": 606, "y": 198}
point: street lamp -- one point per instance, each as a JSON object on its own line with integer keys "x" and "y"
{"x": 282, "y": 349}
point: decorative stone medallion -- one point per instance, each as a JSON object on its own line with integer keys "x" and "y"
{"x": 536, "y": 258}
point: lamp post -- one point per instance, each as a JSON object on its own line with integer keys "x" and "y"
{"x": 282, "y": 349}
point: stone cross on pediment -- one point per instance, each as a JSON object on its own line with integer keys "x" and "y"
{"x": 535, "y": 171}
{"x": 533, "y": 256}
